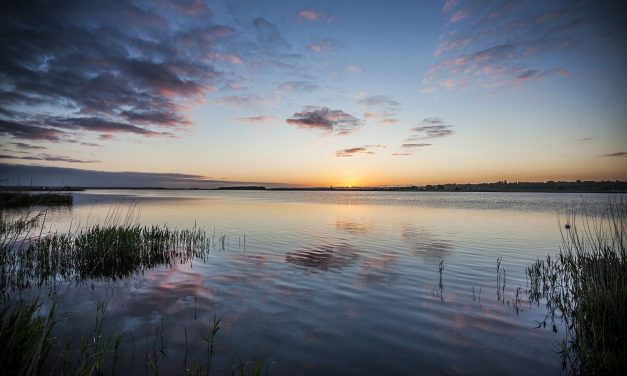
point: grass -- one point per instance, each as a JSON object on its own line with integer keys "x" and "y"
{"x": 115, "y": 250}
{"x": 100, "y": 252}
{"x": 25, "y": 338}
{"x": 22, "y": 199}
{"x": 586, "y": 287}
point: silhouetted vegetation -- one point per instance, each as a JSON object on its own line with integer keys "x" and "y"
{"x": 22, "y": 199}
{"x": 586, "y": 287}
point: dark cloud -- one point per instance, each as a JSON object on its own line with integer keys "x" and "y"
{"x": 95, "y": 124}
{"x": 22, "y": 145}
{"x": 617, "y": 154}
{"x": 378, "y": 100}
{"x": 432, "y": 128}
{"x": 489, "y": 44}
{"x": 124, "y": 66}
{"x": 366, "y": 149}
{"x": 414, "y": 146}
{"x": 336, "y": 121}
{"x": 46, "y": 157}
{"x": 29, "y": 132}
{"x": 54, "y": 176}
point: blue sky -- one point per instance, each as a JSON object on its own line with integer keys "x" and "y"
{"x": 318, "y": 92}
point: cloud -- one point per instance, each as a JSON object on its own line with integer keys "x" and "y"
{"x": 353, "y": 69}
{"x": 336, "y": 121}
{"x": 322, "y": 45}
{"x": 614, "y": 155}
{"x": 95, "y": 124}
{"x": 401, "y": 154}
{"x": 449, "y": 4}
{"x": 52, "y": 176}
{"x": 378, "y": 100}
{"x": 498, "y": 44}
{"x": 460, "y": 15}
{"x": 301, "y": 86}
{"x": 366, "y": 149}
{"x": 382, "y": 117}
{"x": 247, "y": 100}
{"x": 414, "y": 146}
{"x": 432, "y": 128}
{"x": 314, "y": 15}
{"x": 268, "y": 33}
{"x": 260, "y": 119}
{"x": 389, "y": 121}
{"x": 22, "y": 145}
{"x": 46, "y": 157}
{"x": 29, "y": 132}
{"x": 129, "y": 66}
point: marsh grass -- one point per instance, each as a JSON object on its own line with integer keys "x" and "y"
{"x": 585, "y": 286}
{"x": 25, "y": 338}
{"x": 23, "y": 199}
{"x": 114, "y": 250}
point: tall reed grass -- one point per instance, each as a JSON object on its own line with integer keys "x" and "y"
{"x": 585, "y": 286}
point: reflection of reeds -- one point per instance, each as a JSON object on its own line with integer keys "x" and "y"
{"x": 586, "y": 286}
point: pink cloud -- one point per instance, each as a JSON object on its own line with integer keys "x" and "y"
{"x": 314, "y": 15}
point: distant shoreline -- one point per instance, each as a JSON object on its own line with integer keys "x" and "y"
{"x": 501, "y": 186}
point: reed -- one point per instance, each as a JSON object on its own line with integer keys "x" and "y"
{"x": 107, "y": 252}
{"x": 585, "y": 286}
{"x": 25, "y": 338}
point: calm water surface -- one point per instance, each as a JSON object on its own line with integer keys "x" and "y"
{"x": 334, "y": 282}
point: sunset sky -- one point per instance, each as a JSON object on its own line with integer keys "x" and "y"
{"x": 317, "y": 92}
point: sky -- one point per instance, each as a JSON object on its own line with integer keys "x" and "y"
{"x": 313, "y": 93}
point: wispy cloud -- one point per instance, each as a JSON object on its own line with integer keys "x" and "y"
{"x": 382, "y": 117}
{"x": 353, "y": 69}
{"x": 614, "y": 155}
{"x": 260, "y": 119}
{"x": 246, "y": 100}
{"x": 323, "y": 118}
{"x": 433, "y": 128}
{"x": 366, "y": 149}
{"x": 301, "y": 86}
{"x": 322, "y": 45}
{"x": 495, "y": 44}
{"x": 387, "y": 116}
{"x": 22, "y": 145}
{"x": 378, "y": 100}
{"x": 29, "y": 132}
{"x": 314, "y": 15}
{"x": 414, "y": 146}
{"x": 47, "y": 157}
{"x": 268, "y": 33}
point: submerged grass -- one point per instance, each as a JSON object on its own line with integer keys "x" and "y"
{"x": 22, "y": 199}
{"x": 586, "y": 287}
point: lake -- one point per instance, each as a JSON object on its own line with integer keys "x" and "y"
{"x": 332, "y": 283}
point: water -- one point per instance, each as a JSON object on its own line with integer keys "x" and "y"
{"x": 332, "y": 282}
